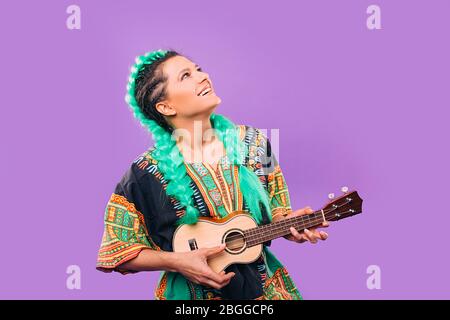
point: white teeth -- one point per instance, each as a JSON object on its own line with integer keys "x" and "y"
{"x": 204, "y": 92}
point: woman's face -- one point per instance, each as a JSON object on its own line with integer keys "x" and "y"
{"x": 185, "y": 90}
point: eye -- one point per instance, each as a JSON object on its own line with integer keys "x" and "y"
{"x": 182, "y": 77}
{"x": 198, "y": 69}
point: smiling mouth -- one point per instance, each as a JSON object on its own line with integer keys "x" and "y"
{"x": 206, "y": 92}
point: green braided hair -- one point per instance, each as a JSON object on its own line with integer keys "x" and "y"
{"x": 146, "y": 87}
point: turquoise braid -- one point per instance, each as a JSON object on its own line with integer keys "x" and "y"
{"x": 171, "y": 162}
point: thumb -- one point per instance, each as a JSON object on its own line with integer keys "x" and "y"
{"x": 214, "y": 250}
{"x": 303, "y": 211}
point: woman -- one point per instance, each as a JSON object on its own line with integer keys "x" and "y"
{"x": 181, "y": 179}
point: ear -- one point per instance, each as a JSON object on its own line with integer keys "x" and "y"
{"x": 165, "y": 109}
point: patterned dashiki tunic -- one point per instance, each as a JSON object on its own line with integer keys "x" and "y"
{"x": 139, "y": 215}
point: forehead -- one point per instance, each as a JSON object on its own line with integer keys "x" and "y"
{"x": 174, "y": 65}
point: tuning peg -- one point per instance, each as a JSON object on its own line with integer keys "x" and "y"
{"x": 331, "y": 196}
{"x": 344, "y": 189}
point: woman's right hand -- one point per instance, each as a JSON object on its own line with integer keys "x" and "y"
{"x": 193, "y": 265}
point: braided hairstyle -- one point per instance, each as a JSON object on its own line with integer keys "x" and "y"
{"x": 147, "y": 85}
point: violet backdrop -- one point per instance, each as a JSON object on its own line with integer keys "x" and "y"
{"x": 367, "y": 109}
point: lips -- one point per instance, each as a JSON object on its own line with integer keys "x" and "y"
{"x": 203, "y": 89}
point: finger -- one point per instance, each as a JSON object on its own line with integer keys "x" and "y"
{"x": 302, "y": 237}
{"x": 290, "y": 237}
{"x": 311, "y": 237}
{"x": 316, "y": 233}
{"x": 227, "y": 278}
{"x": 230, "y": 276}
{"x": 325, "y": 224}
{"x": 303, "y": 211}
{"x": 323, "y": 235}
{"x": 214, "y": 250}
{"x": 216, "y": 277}
{"x": 226, "y": 283}
{"x": 296, "y": 235}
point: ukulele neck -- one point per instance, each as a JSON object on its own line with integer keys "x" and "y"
{"x": 281, "y": 228}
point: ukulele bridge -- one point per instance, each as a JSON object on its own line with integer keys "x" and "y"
{"x": 193, "y": 244}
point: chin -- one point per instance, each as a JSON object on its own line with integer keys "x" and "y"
{"x": 214, "y": 104}
{"x": 218, "y": 100}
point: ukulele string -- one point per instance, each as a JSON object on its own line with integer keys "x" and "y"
{"x": 283, "y": 224}
{"x": 315, "y": 220}
{"x": 281, "y": 227}
{"x": 286, "y": 222}
{"x": 233, "y": 239}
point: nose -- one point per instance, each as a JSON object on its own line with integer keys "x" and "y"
{"x": 203, "y": 75}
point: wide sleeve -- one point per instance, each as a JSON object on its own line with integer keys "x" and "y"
{"x": 279, "y": 199}
{"x": 125, "y": 232}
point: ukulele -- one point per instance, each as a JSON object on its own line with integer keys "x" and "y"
{"x": 244, "y": 238}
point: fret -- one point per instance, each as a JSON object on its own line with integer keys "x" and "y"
{"x": 280, "y": 228}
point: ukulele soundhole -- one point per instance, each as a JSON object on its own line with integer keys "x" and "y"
{"x": 235, "y": 241}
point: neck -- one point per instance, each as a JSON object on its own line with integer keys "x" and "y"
{"x": 194, "y": 136}
{"x": 281, "y": 228}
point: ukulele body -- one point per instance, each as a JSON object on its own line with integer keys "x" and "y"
{"x": 209, "y": 232}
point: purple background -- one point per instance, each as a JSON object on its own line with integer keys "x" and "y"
{"x": 355, "y": 107}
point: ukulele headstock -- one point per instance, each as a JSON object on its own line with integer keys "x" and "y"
{"x": 347, "y": 205}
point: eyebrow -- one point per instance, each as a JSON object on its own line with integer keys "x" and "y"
{"x": 186, "y": 69}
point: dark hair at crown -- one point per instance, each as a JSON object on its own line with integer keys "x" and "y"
{"x": 151, "y": 88}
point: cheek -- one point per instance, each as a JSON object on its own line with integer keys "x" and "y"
{"x": 185, "y": 95}
{"x": 185, "y": 99}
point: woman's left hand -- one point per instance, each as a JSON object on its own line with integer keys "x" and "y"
{"x": 312, "y": 235}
